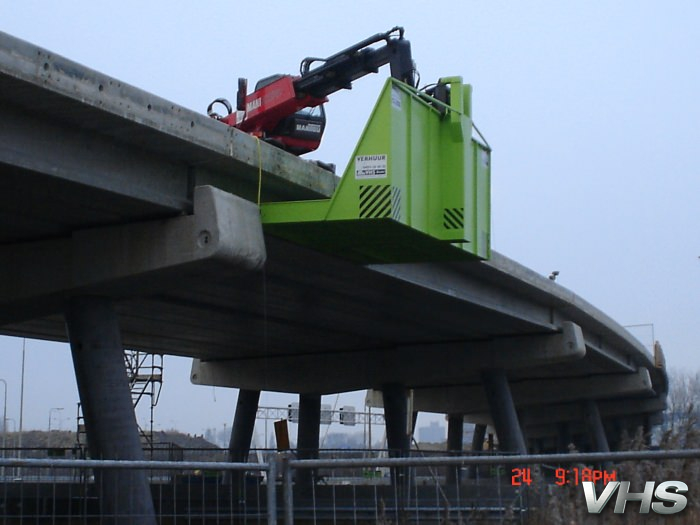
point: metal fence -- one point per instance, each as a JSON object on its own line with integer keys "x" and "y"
{"x": 71, "y": 491}
{"x": 454, "y": 489}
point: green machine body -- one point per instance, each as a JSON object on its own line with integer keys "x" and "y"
{"x": 416, "y": 189}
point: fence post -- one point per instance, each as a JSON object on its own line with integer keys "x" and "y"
{"x": 288, "y": 491}
{"x": 272, "y": 490}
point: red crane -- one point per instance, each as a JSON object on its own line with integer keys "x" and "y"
{"x": 287, "y": 110}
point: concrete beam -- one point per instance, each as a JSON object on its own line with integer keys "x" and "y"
{"x": 472, "y": 399}
{"x": 564, "y": 423}
{"x": 415, "y": 365}
{"x": 573, "y": 411}
{"x": 85, "y": 111}
{"x": 590, "y": 433}
{"x": 133, "y": 259}
{"x": 475, "y": 286}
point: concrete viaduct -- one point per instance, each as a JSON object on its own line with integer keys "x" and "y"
{"x": 128, "y": 221}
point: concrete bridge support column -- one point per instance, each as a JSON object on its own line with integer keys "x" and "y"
{"x": 455, "y": 432}
{"x": 647, "y": 428}
{"x": 396, "y": 416}
{"x": 594, "y": 424}
{"x": 478, "y": 438}
{"x": 242, "y": 434}
{"x": 563, "y": 437}
{"x": 505, "y": 418}
{"x": 477, "y": 446}
{"x": 455, "y": 443}
{"x": 414, "y": 422}
{"x": 243, "y": 425}
{"x": 98, "y": 359}
{"x": 308, "y": 438}
{"x": 398, "y": 438}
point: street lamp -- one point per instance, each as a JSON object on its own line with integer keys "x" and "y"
{"x": 644, "y": 325}
{"x": 4, "y": 426}
{"x": 21, "y": 398}
{"x": 57, "y": 409}
{"x": 14, "y": 444}
{"x": 4, "y": 418}
{"x": 14, "y": 423}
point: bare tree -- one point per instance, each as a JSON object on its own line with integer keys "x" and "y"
{"x": 683, "y": 412}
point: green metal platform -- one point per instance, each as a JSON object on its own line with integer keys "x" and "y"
{"x": 417, "y": 187}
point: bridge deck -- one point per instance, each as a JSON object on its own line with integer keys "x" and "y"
{"x": 80, "y": 150}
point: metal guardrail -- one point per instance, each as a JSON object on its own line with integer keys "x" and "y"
{"x": 530, "y": 459}
{"x": 411, "y": 489}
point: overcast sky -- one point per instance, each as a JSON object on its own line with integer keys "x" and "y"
{"x": 592, "y": 110}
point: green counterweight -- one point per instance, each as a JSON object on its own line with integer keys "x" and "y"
{"x": 416, "y": 189}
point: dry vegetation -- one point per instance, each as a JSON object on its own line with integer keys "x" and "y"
{"x": 64, "y": 443}
{"x": 567, "y": 505}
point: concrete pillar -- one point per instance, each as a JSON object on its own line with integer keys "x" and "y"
{"x": 455, "y": 432}
{"x": 243, "y": 425}
{"x": 395, "y": 398}
{"x": 241, "y": 436}
{"x": 98, "y": 359}
{"x": 309, "y": 426}
{"x": 563, "y": 437}
{"x": 396, "y": 418}
{"x": 308, "y": 436}
{"x": 505, "y": 418}
{"x": 594, "y": 424}
{"x": 477, "y": 446}
{"x": 478, "y": 438}
{"x": 647, "y": 429}
{"x": 455, "y": 442}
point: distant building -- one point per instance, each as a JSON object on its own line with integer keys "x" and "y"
{"x": 467, "y": 434}
{"x": 342, "y": 440}
{"x": 433, "y": 433}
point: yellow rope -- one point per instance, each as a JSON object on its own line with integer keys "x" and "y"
{"x": 259, "y": 170}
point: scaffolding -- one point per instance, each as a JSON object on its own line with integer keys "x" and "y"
{"x": 144, "y": 372}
